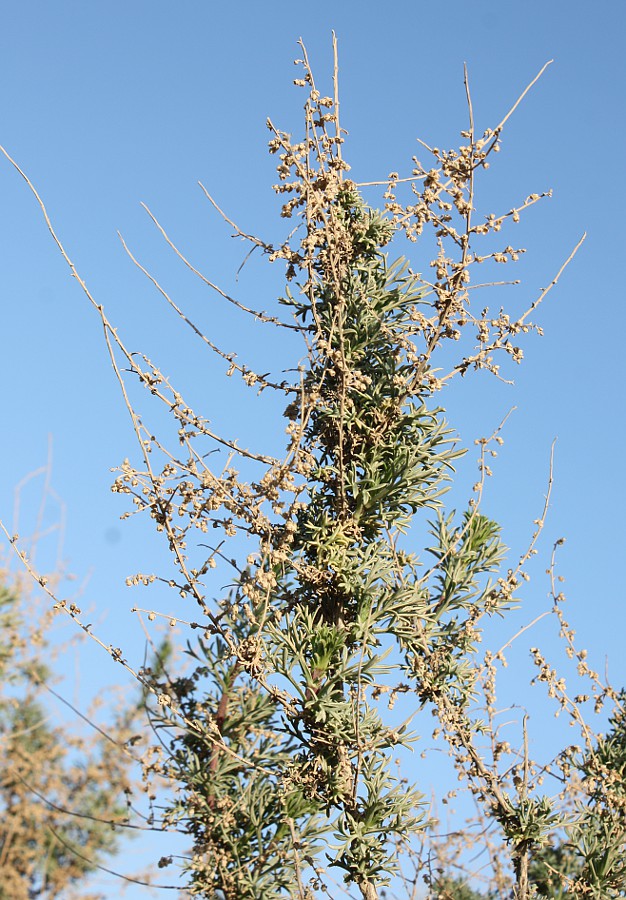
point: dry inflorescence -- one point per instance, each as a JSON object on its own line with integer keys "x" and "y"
{"x": 281, "y": 738}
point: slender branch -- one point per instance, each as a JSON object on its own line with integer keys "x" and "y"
{"x": 94, "y": 865}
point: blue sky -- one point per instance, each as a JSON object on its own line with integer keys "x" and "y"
{"x": 108, "y": 105}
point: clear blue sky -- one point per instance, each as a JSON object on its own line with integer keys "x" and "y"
{"x": 108, "y": 104}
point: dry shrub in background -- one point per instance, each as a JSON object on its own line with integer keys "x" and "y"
{"x": 358, "y": 599}
{"x": 64, "y": 781}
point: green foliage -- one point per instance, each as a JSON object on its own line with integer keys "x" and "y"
{"x": 553, "y": 868}
{"x": 236, "y": 805}
{"x": 447, "y": 888}
{"x": 590, "y": 861}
